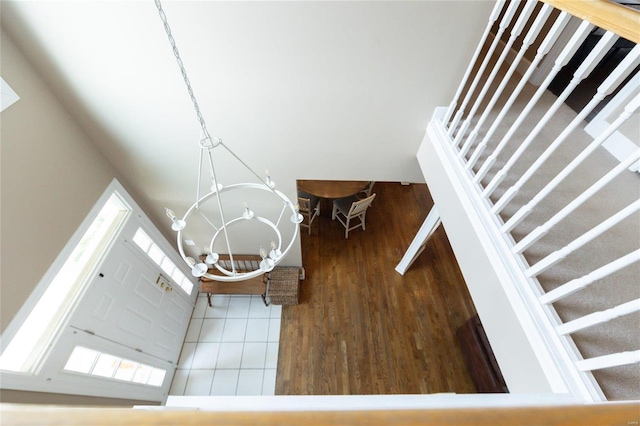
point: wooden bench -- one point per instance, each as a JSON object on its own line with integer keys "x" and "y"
{"x": 243, "y": 263}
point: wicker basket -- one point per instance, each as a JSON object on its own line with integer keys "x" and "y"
{"x": 284, "y": 286}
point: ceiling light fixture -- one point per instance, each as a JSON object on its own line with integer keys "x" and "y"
{"x": 284, "y": 223}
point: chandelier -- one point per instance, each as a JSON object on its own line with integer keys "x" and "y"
{"x": 277, "y": 229}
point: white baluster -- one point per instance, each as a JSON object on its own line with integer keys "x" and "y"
{"x": 492, "y": 18}
{"x": 608, "y": 361}
{"x": 599, "y": 317}
{"x": 594, "y": 232}
{"x": 579, "y": 283}
{"x": 581, "y": 33}
{"x": 542, "y": 230}
{"x": 515, "y": 32}
{"x": 621, "y": 72}
{"x": 524, "y": 211}
{"x": 504, "y": 23}
{"x": 581, "y": 73}
{"x": 545, "y": 46}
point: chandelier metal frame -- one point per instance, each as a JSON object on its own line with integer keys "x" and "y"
{"x": 278, "y": 249}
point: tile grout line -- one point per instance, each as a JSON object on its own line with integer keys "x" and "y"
{"x": 224, "y": 319}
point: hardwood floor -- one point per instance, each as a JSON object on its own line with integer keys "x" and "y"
{"x": 362, "y": 328}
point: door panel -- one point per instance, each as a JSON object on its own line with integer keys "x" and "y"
{"x": 129, "y": 303}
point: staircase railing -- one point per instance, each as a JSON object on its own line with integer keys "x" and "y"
{"x": 503, "y": 142}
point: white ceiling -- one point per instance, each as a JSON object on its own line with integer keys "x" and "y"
{"x": 333, "y": 90}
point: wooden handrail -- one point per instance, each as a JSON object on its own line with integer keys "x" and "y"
{"x": 605, "y": 14}
{"x": 578, "y": 415}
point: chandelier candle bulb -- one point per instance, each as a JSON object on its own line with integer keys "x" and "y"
{"x": 297, "y": 217}
{"x": 271, "y": 183}
{"x": 275, "y": 252}
{"x": 178, "y": 225}
{"x": 215, "y": 186}
{"x": 248, "y": 214}
{"x": 197, "y": 269}
{"x": 267, "y": 263}
{"x": 212, "y": 258}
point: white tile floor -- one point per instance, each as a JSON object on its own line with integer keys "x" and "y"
{"x": 230, "y": 348}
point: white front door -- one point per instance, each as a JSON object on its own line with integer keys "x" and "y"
{"x": 129, "y": 302}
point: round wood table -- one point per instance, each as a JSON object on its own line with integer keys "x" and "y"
{"x": 331, "y": 188}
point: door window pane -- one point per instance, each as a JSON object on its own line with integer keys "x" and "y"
{"x": 126, "y": 370}
{"x": 157, "y": 377}
{"x": 157, "y": 255}
{"x": 142, "y": 240}
{"x": 168, "y": 266}
{"x": 106, "y": 365}
{"x": 81, "y": 360}
{"x": 94, "y": 363}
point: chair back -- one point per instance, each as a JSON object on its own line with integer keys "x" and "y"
{"x": 358, "y": 207}
{"x": 309, "y": 209}
{"x": 367, "y": 190}
{"x": 304, "y": 205}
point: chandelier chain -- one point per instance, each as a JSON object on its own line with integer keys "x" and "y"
{"x": 183, "y": 71}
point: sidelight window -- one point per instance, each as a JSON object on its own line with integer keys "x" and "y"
{"x": 94, "y": 363}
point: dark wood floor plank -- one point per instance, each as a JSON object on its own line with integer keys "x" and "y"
{"x": 362, "y": 328}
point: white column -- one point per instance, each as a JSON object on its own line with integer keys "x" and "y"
{"x": 429, "y": 226}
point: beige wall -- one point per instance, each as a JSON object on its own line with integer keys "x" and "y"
{"x": 50, "y": 176}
